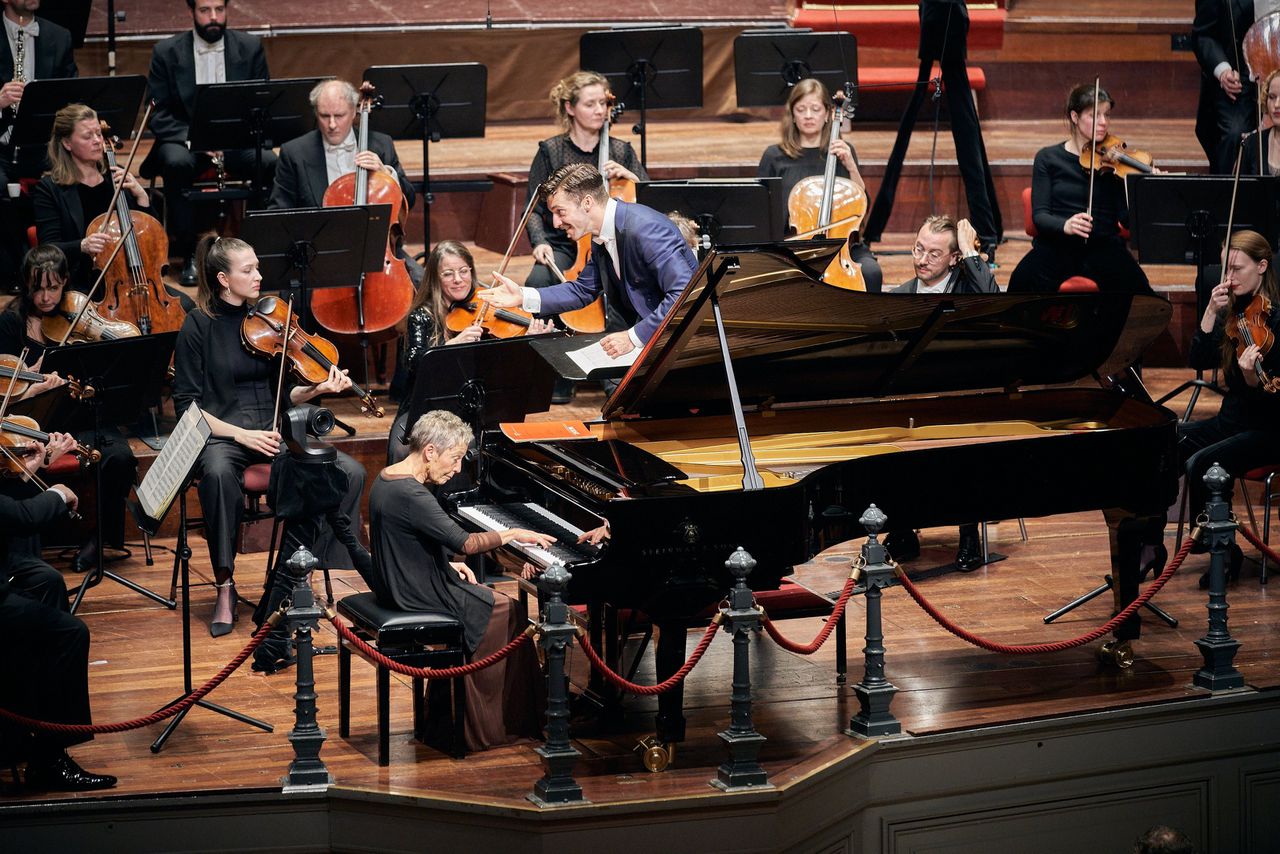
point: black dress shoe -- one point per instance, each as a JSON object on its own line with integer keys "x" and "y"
{"x": 63, "y": 774}
{"x": 188, "y": 276}
{"x": 902, "y": 545}
{"x": 87, "y": 558}
{"x": 969, "y": 554}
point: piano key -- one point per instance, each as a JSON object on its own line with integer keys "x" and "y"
{"x": 499, "y": 517}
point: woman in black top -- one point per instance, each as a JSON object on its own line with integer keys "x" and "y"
{"x": 76, "y": 189}
{"x": 412, "y": 540}
{"x": 802, "y": 153}
{"x": 236, "y": 391}
{"x": 1072, "y": 242}
{"x": 1269, "y": 92}
{"x": 582, "y": 106}
{"x": 1246, "y": 431}
{"x": 43, "y": 277}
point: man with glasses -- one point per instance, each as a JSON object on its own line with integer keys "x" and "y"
{"x": 947, "y": 260}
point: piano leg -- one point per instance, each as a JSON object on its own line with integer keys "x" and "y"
{"x": 669, "y": 655}
{"x": 1137, "y": 543}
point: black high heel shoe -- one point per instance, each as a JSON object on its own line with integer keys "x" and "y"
{"x": 1235, "y": 560}
{"x": 218, "y": 628}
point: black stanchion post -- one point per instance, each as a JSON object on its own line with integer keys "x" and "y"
{"x": 307, "y": 772}
{"x": 874, "y": 692}
{"x": 1218, "y": 647}
{"x": 742, "y": 770}
{"x": 557, "y": 785}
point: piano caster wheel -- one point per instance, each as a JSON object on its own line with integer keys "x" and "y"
{"x": 656, "y": 755}
{"x": 1117, "y": 653}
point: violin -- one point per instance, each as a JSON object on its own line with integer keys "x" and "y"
{"x": 15, "y": 428}
{"x": 310, "y": 356}
{"x": 1112, "y": 154}
{"x": 1251, "y": 328}
{"x": 134, "y": 287}
{"x": 836, "y": 206}
{"x": 77, "y": 319}
{"x": 16, "y": 377}
{"x": 382, "y": 299}
{"x": 498, "y": 322}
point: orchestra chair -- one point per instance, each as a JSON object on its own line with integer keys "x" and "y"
{"x": 417, "y": 639}
{"x": 1265, "y": 475}
{"x": 1028, "y": 221}
{"x": 1078, "y": 285}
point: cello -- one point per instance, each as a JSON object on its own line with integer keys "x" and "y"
{"x": 825, "y": 203}
{"x": 381, "y": 299}
{"x": 133, "y": 285}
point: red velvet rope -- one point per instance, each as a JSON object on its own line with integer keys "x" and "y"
{"x": 427, "y": 672}
{"x": 1057, "y": 646}
{"x": 832, "y": 621}
{"x": 167, "y": 712}
{"x": 1257, "y": 542}
{"x": 649, "y": 690}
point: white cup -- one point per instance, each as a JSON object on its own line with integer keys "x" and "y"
{"x": 15, "y": 190}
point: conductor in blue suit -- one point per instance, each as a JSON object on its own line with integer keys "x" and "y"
{"x": 640, "y": 261}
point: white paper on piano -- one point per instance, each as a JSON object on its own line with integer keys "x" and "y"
{"x": 592, "y": 357}
{"x": 169, "y": 471}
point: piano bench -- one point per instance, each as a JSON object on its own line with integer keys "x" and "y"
{"x": 1265, "y": 475}
{"x": 417, "y": 639}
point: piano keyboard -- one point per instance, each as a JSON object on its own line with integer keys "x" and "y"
{"x": 567, "y": 549}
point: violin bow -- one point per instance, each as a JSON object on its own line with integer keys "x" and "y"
{"x": 1231, "y": 213}
{"x": 96, "y": 282}
{"x": 515, "y": 236}
{"x": 1093, "y": 147}
{"x": 284, "y": 359}
{"x": 146, "y": 116}
{"x": 4, "y": 404}
{"x": 13, "y": 458}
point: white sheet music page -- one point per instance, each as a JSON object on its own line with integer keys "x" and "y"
{"x": 167, "y": 474}
{"x": 593, "y": 357}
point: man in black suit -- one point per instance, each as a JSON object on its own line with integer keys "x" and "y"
{"x": 46, "y": 54}
{"x": 44, "y": 666}
{"x": 1228, "y": 98}
{"x": 209, "y": 53}
{"x": 947, "y": 261}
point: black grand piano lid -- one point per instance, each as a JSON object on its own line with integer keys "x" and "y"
{"x": 794, "y": 339}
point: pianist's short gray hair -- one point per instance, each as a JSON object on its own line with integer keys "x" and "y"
{"x": 345, "y": 89}
{"x": 440, "y": 429}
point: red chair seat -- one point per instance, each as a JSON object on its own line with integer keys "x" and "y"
{"x": 65, "y": 464}
{"x": 256, "y": 478}
{"x": 1261, "y": 473}
{"x": 1078, "y": 285}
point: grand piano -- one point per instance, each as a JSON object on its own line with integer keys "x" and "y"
{"x": 771, "y": 409}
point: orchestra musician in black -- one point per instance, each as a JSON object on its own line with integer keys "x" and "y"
{"x": 1226, "y": 109}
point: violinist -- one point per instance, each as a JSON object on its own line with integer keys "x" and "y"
{"x": 236, "y": 391}
{"x": 77, "y": 188}
{"x": 582, "y": 106}
{"x": 1246, "y": 431}
{"x": 1270, "y": 93}
{"x": 1072, "y": 241}
{"x": 802, "y": 152}
{"x": 43, "y": 278}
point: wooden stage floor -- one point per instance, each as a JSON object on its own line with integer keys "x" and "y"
{"x": 944, "y": 685}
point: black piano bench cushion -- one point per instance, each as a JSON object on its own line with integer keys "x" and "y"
{"x": 364, "y": 612}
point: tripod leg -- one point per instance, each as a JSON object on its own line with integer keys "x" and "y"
{"x": 1076, "y": 603}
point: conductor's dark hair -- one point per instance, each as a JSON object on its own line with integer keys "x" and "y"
{"x": 576, "y": 181}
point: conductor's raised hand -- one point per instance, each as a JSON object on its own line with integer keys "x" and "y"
{"x": 505, "y": 293}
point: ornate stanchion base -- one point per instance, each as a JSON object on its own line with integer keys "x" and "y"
{"x": 742, "y": 770}
{"x": 874, "y": 692}
{"x": 557, "y": 786}
{"x": 307, "y": 771}
{"x": 1219, "y": 672}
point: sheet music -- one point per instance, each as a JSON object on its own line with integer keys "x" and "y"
{"x": 169, "y": 472}
{"x": 593, "y": 357}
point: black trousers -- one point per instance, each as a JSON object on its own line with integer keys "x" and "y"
{"x": 44, "y": 668}
{"x": 119, "y": 472}
{"x": 1105, "y": 260}
{"x": 221, "y": 489}
{"x": 179, "y": 167}
{"x": 1220, "y": 122}
{"x": 1217, "y": 440}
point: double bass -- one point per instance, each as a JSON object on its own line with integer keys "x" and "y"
{"x": 381, "y": 299}
{"x": 133, "y": 283}
{"x": 836, "y": 206}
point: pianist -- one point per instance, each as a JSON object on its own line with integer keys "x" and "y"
{"x": 412, "y": 539}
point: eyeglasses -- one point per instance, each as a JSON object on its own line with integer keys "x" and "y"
{"x": 459, "y": 273}
{"x": 918, "y": 252}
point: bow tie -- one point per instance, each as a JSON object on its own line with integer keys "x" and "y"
{"x": 344, "y": 147}
{"x": 32, "y": 29}
{"x": 205, "y": 51}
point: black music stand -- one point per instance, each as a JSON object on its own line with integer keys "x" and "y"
{"x": 767, "y": 63}
{"x": 1182, "y": 219}
{"x": 430, "y": 103}
{"x": 736, "y": 211}
{"x": 651, "y": 68}
{"x": 126, "y": 376}
{"x": 175, "y": 466}
{"x": 273, "y": 112}
{"x": 114, "y": 99}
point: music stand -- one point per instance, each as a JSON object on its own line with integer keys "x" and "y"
{"x": 1182, "y": 219}
{"x": 168, "y": 479}
{"x": 653, "y": 68}
{"x": 767, "y": 63}
{"x": 126, "y": 376}
{"x": 727, "y": 211}
{"x": 274, "y": 111}
{"x": 114, "y": 99}
{"x": 430, "y": 103}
